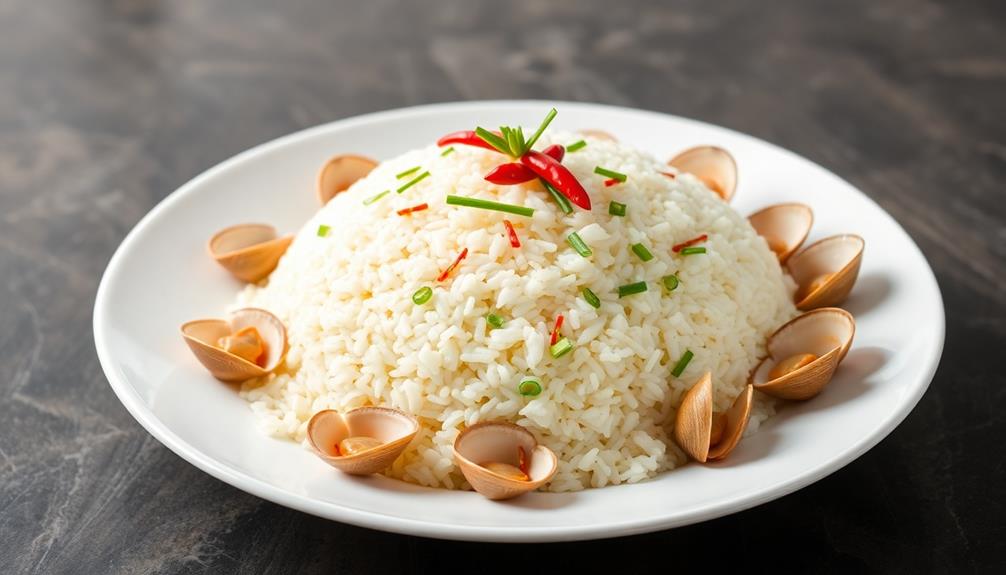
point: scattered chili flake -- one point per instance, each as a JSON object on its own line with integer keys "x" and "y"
{"x": 514, "y": 240}
{"x": 611, "y": 182}
{"x": 413, "y": 209}
{"x": 323, "y": 230}
{"x": 577, "y": 145}
{"x": 679, "y": 367}
{"x": 691, "y": 242}
{"x": 450, "y": 268}
{"x": 693, "y": 250}
{"x": 610, "y": 174}
{"x": 555, "y": 330}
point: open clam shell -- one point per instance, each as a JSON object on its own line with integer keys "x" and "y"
{"x": 249, "y": 251}
{"x": 784, "y": 227}
{"x": 203, "y": 337}
{"x": 599, "y": 134}
{"x": 694, "y": 422}
{"x": 711, "y": 164}
{"x": 826, "y": 270}
{"x": 826, "y": 333}
{"x": 498, "y": 442}
{"x": 393, "y": 428}
{"x": 340, "y": 172}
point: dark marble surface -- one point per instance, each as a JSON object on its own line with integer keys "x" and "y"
{"x": 106, "y": 106}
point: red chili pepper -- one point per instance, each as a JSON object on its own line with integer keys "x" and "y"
{"x": 611, "y": 182}
{"x": 558, "y": 175}
{"x": 466, "y": 137}
{"x": 418, "y": 208}
{"x": 514, "y": 240}
{"x": 690, "y": 242}
{"x": 516, "y": 173}
{"x": 448, "y": 271}
{"x": 555, "y": 330}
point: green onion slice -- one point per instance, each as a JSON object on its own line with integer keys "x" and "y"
{"x": 679, "y": 367}
{"x": 408, "y": 172}
{"x": 422, "y": 295}
{"x": 692, "y": 250}
{"x": 413, "y": 182}
{"x": 631, "y": 289}
{"x": 541, "y": 129}
{"x": 373, "y": 199}
{"x": 578, "y": 245}
{"x": 529, "y": 386}
{"x": 561, "y": 347}
{"x": 564, "y": 205}
{"x": 577, "y": 145}
{"x": 489, "y": 205}
{"x": 495, "y": 320}
{"x": 616, "y": 209}
{"x": 641, "y": 251}
{"x": 670, "y": 282}
{"x": 323, "y": 230}
{"x": 610, "y": 174}
{"x": 591, "y": 298}
{"x": 447, "y": 151}
{"x": 493, "y": 140}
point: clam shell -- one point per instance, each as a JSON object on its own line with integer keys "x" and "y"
{"x": 711, "y": 164}
{"x": 693, "y": 423}
{"x": 249, "y": 251}
{"x": 498, "y": 441}
{"x": 395, "y": 429}
{"x": 840, "y": 255}
{"x": 599, "y": 134}
{"x": 824, "y": 332}
{"x": 340, "y": 172}
{"x": 202, "y": 336}
{"x": 737, "y": 421}
{"x": 783, "y": 225}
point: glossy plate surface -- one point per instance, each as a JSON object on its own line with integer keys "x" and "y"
{"x": 161, "y": 276}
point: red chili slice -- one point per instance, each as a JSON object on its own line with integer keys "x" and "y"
{"x": 555, "y": 330}
{"x": 418, "y": 208}
{"x": 611, "y": 182}
{"x": 690, "y": 242}
{"x": 448, "y": 271}
{"x": 558, "y": 176}
{"x": 514, "y": 240}
{"x": 516, "y": 173}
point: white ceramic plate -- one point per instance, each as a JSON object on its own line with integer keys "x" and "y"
{"x": 161, "y": 276}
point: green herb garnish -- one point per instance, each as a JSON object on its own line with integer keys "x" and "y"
{"x": 510, "y": 141}
{"x": 561, "y": 348}
{"x": 578, "y": 244}
{"x": 408, "y": 172}
{"x": 447, "y": 151}
{"x": 494, "y": 320}
{"x": 323, "y": 230}
{"x": 631, "y": 289}
{"x": 578, "y": 145}
{"x": 422, "y": 295}
{"x": 692, "y": 250}
{"x": 529, "y": 386}
{"x": 616, "y": 209}
{"x": 679, "y": 367}
{"x": 641, "y": 251}
{"x": 611, "y": 174}
{"x": 591, "y": 298}
{"x": 670, "y": 282}
{"x": 564, "y": 205}
{"x": 413, "y": 182}
{"x": 489, "y": 205}
{"x": 373, "y": 199}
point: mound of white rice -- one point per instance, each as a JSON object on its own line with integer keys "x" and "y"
{"x": 357, "y": 338}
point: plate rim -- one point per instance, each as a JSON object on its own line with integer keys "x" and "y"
{"x": 134, "y": 404}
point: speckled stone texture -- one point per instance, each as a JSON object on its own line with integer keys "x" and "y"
{"x": 106, "y": 106}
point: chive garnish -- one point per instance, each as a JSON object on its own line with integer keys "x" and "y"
{"x": 561, "y": 347}
{"x": 373, "y": 199}
{"x": 422, "y": 295}
{"x": 578, "y": 145}
{"x": 323, "y": 230}
{"x": 541, "y": 129}
{"x": 641, "y": 251}
{"x": 577, "y": 243}
{"x": 610, "y": 174}
{"x": 494, "y": 320}
{"x": 493, "y": 140}
{"x": 591, "y": 298}
{"x": 631, "y": 289}
{"x": 447, "y": 151}
{"x": 692, "y": 250}
{"x": 564, "y": 205}
{"x": 489, "y": 205}
{"x": 679, "y": 367}
{"x": 413, "y": 182}
{"x": 670, "y": 282}
{"x": 616, "y": 209}
{"x": 408, "y": 172}
{"x": 529, "y": 386}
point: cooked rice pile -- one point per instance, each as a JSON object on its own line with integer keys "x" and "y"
{"x": 357, "y": 338}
